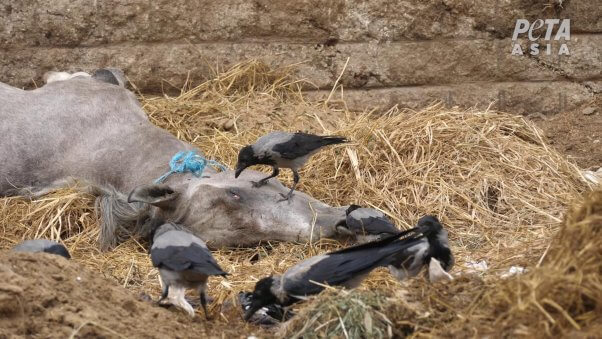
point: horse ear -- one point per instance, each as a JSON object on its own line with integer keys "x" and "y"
{"x": 110, "y": 75}
{"x": 158, "y": 195}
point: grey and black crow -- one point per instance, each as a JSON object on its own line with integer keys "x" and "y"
{"x": 432, "y": 250}
{"x": 184, "y": 261}
{"x": 282, "y": 150}
{"x": 367, "y": 224}
{"x": 346, "y": 267}
{"x": 43, "y": 245}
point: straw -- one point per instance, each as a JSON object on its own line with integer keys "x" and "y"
{"x": 490, "y": 177}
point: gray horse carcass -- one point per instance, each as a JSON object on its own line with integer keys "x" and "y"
{"x": 90, "y": 131}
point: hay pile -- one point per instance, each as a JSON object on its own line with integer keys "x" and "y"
{"x": 563, "y": 296}
{"x": 354, "y": 314}
{"x": 489, "y": 176}
{"x": 559, "y": 297}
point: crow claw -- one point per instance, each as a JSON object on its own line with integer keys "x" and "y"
{"x": 163, "y": 304}
{"x": 285, "y": 197}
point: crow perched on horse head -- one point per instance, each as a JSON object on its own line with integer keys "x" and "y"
{"x": 283, "y": 150}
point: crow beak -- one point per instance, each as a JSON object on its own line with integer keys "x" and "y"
{"x": 238, "y": 171}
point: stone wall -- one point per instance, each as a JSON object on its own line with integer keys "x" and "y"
{"x": 400, "y": 52}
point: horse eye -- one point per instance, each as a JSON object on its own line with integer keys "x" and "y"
{"x": 234, "y": 195}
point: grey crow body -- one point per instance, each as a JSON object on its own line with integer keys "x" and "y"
{"x": 367, "y": 224}
{"x": 184, "y": 261}
{"x": 346, "y": 267}
{"x": 433, "y": 251}
{"x": 283, "y": 150}
{"x": 43, "y": 245}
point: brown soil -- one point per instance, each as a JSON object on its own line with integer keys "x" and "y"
{"x": 577, "y": 135}
{"x": 47, "y": 296}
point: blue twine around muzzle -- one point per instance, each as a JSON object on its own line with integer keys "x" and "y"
{"x": 189, "y": 161}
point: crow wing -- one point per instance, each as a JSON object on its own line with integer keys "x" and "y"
{"x": 412, "y": 257}
{"x": 302, "y": 144}
{"x": 340, "y": 267}
{"x": 371, "y": 225}
{"x": 59, "y": 250}
{"x": 379, "y": 225}
{"x": 181, "y": 258}
{"x": 410, "y": 235}
{"x": 43, "y": 245}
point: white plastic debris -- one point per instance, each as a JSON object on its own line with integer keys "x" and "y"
{"x": 514, "y": 270}
{"x": 593, "y": 177}
{"x": 476, "y": 266}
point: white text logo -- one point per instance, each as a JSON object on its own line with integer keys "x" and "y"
{"x": 540, "y": 35}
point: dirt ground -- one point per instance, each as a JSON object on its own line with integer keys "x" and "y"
{"x": 47, "y": 296}
{"x": 576, "y": 134}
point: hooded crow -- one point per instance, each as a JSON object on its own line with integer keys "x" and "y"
{"x": 367, "y": 224}
{"x": 432, "y": 250}
{"x": 346, "y": 267}
{"x": 184, "y": 261}
{"x": 42, "y": 245}
{"x": 282, "y": 150}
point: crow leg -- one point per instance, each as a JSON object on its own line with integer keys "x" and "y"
{"x": 177, "y": 298}
{"x": 296, "y": 179}
{"x": 164, "y": 293}
{"x": 204, "y": 303}
{"x": 275, "y": 172}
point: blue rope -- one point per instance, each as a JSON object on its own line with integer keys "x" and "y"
{"x": 189, "y": 161}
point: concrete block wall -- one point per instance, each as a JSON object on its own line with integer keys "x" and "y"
{"x": 400, "y": 52}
